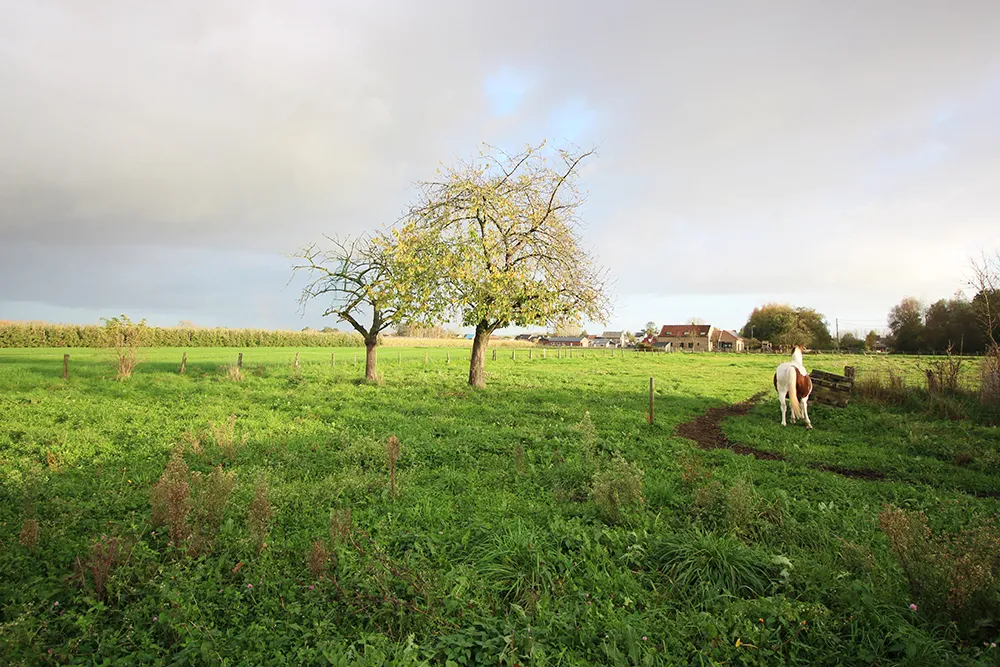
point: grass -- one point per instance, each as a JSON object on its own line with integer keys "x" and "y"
{"x": 477, "y": 537}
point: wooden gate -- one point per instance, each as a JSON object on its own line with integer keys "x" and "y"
{"x": 832, "y": 389}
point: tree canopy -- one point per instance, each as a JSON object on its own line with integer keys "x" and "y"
{"x": 496, "y": 240}
{"x": 782, "y": 324}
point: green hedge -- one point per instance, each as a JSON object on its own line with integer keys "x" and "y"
{"x": 17, "y": 334}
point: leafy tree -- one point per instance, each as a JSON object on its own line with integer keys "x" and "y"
{"x": 651, "y": 328}
{"x": 500, "y": 235}
{"x": 782, "y": 324}
{"x": 360, "y": 279}
{"x": 871, "y": 340}
{"x": 985, "y": 280}
{"x": 952, "y": 323}
{"x": 906, "y": 324}
{"x": 851, "y": 342}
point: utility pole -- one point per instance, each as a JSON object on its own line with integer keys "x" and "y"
{"x": 836, "y": 323}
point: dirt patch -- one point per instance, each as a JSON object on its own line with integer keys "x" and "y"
{"x": 705, "y": 430}
{"x": 854, "y": 473}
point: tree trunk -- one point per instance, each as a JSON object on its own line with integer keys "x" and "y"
{"x": 370, "y": 357}
{"x": 477, "y": 365}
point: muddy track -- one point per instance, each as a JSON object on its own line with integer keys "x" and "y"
{"x": 706, "y": 431}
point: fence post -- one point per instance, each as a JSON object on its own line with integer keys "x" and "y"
{"x": 494, "y": 354}
{"x": 849, "y": 373}
{"x": 355, "y": 358}
{"x": 650, "y": 400}
{"x": 65, "y": 366}
{"x": 543, "y": 352}
{"x": 399, "y": 357}
{"x": 530, "y": 350}
{"x": 448, "y": 359}
{"x": 239, "y": 361}
{"x": 333, "y": 359}
{"x": 427, "y": 357}
{"x": 296, "y": 360}
{"x": 512, "y": 354}
{"x": 184, "y": 362}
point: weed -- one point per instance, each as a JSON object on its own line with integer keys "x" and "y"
{"x": 319, "y": 559}
{"x": 989, "y": 372}
{"x": 233, "y": 372}
{"x": 28, "y": 537}
{"x": 391, "y": 457}
{"x": 260, "y": 516}
{"x": 103, "y": 556}
{"x": 209, "y": 498}
{"x": 952, "y": 572}
{"x": 693, "y": 472}
{"x": 617, "y": 485}
{"x": 171, "y": 500}
{"x": 943, "y": 374}
{"x": 588, "y": 437}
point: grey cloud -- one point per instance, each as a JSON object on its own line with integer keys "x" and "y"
{"x": 732, "y": 136}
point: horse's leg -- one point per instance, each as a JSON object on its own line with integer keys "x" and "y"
{"x": 784, "y": 407}
{"x": 805, "y": 412}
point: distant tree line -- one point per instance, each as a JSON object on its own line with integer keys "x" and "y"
{"x": 36, "y": 334}
{"x": 782, "y": 324}
{"x": 956, "y": 323}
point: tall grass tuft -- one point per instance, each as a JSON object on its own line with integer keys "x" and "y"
{"x": 224, "y": 435}
{"x": 28, "y": 537}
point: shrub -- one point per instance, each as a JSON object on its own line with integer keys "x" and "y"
{"x": 233, "y": 372}
{"x": 955, "y": 573}
{"x": 125, "y": 337}
{"x": 887, "y": 388}
{"x": 989, "y": 372}
{"x": 618, "y": 484}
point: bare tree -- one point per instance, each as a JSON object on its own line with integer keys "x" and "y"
{"x": 502, "y": 234}
{"x": 985, "y": 280}
{"x": 356, "y": 275}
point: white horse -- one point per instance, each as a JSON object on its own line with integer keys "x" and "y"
{"x": 792, "y": 379}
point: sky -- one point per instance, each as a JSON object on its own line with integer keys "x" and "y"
{"x": 163, "y": 159}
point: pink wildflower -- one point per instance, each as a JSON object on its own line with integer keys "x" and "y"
{"x": 913, "y": 607}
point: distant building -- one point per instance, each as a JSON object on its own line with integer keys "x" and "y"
{"x": 687, "y": 337}
{"x": 610, "y": 339}
{"x": 727, "y": 341}
{"x": 568, "y": 341}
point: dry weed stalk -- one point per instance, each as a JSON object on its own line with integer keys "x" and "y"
{"x": 101, "y": 560}
{"x": 319, "y": 559}
{"x": 392, "y": 456}
{"x": 340, "y": 525}
{"x": 171, "y": 500}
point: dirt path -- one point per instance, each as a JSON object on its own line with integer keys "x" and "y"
{"x": 705, "y": 430}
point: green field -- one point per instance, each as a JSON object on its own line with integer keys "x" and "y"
{"x": 503, "y": 542}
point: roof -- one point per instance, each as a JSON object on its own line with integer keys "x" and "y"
{"x": 566, "y": 339}
{"x": 725, "y": 336}
{"x": 611, "y": 334}
{"x": 685, "y": 329}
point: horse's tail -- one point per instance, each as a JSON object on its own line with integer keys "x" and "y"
{"x": 792, "y": 377}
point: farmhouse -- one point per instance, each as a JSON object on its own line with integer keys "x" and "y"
{"x": 568, "y": 341}
{"x": 727, "y": 341}
{"x": 694, "y": 337}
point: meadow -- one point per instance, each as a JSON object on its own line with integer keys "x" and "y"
{"x": 287, "y": 515}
